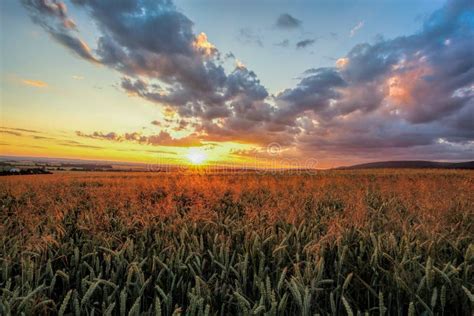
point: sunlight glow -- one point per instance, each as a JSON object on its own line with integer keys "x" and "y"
{"x": 196, "y": 156}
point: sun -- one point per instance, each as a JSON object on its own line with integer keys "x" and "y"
{"x": 196, "y": 156}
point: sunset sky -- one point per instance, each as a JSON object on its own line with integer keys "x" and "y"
{"x": 217, "y": 82}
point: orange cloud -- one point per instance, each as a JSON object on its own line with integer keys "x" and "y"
{"x": 69, "y": 24}
{"x": 401, "y": 86}
{"x": 342, "y": 62}
{"x": 34, "y": 83}
{"x": 239, "y": 64}
{"x": 202, "y": 44}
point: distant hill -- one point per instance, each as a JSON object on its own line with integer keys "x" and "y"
{"x": 415, "y": 164}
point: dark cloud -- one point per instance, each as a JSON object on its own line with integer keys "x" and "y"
{"x": 73, "y": 143}
{"x": 20, "y": 129}
{"x": 229, "y": 55}
{"x": 248, "y": 36}
{"x": 99, "y": 135}
{"x": 161, "y": 57}
{"x": 286, "y": 21}
{"x": 181, "y": 125}
{"x": 75, "y": 44}
{"x": 11, "y": 133}
{"x": 17, "y": 131}
{"x": 241, "y": 95}
{"x": 23, "y": 132}
{"x": 161, "y": 139}
{"x": 411, "y": 92}
{"x": 43, "y": 138}
{"x": 284, "y": 43}
{"x": 305, "y": 43}
{"x": 53, "y": 17}
{"x": 314, "y": 92}
{"x": 160, "y": 152}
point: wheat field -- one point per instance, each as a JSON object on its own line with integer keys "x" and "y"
{"x": 376, "y": 242}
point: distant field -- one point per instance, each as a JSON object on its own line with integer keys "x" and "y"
{"x": 391, "y": 242}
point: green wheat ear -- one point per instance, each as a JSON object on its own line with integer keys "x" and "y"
{"x": 77, "y": 307}
{"x": 135, "y": 310}
{"x": 469, "y": 295}
{"x": 123, "y": 302}
{"x": 110, "y": 310}
{"x": 347, "y": 306}
{"x": 157, "y": 306}
{"x": 63, "y": 307}
{"x": 411, "y": 309}
{"x": 382, "y": 308}
{"x": 443, "y": 297}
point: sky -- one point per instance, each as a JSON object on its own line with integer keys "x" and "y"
{"x": 279, "y": 83}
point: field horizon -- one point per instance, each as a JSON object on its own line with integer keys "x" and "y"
{"x": 53, "y": 163}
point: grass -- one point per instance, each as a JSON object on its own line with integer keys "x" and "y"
{"x": 374, "y": 242}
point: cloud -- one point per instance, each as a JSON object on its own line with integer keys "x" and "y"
{"x": 33, "y": 134}
{"x": 284, "y": 43}
{"x": 43, "y": 138}
{"x": 34, "y": 83}
{"x": 202, "y": 44}
{"x": 161, "y": 139}
{"x": 239, "y": 64}
{"x": 241, "y": 98}
{"x": 229, "y": 55}
{"x": 396, "y": 96}
{"x": 53, "y": 17}
{"x": 19, "y": 132}
{"x": 54, "y": 9}
{"x": 160, "y": 56}
{"x": 73, "y": 143}
{"x": 20, "y": 129}
{"x": 74, "y": 43}
{"x": 249, "y": 37}
{"x": 11, "y": 133}
{"x": 356, "y": 28}
{"x": 305, "y": 43}
{"x": 160, "y": 152}
{"x": 287, "y": 22}
{"x": 342, "y": 62}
